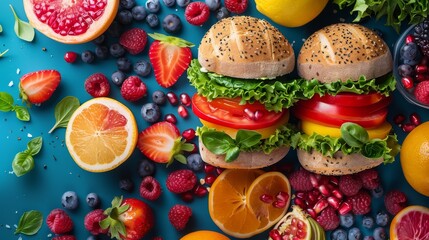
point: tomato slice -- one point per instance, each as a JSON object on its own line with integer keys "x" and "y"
{"x": 351, "y": 99}
{"x": 233, "y": 115}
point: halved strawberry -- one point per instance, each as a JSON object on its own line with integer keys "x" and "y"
{"x": 170, "y": 57}
{"x": 38, "y": 86}
{"x": 162, "y": 143}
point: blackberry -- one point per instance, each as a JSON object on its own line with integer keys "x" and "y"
{"x": 421, "y": 36}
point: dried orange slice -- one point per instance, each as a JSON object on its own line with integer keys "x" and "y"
{"x": 101, "y": 134}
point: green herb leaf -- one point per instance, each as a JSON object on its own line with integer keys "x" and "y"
{"x": 22, "y": 113}
{"x": 64, "y": 110}
{"x": 217, "y": 142}
{"x": 22, "y": 163}
{"x": 30, "y": 223}
{"x": 247, "y": 138}
{"x": 374, "y": 148}
{"x": 22, "y": 29}
{"x": 6, "y": 102}
{"x": 171, "y": 40}
{"x": 35, "y": 145}
{"x": 353, "y": 134}
{"x": 232, "y": 154}
{"x": 180, "y": 158}
{"x": 4, "y": 52}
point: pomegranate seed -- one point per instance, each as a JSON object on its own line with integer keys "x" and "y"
{"x": 210, "y": 178}
{"x": 415, "y": 119}
{"x": 334, "y": 180}
{"x": 209, "y": 168}
{"x": 219, "y": 170}
{"x": 320, "y": 205}
{"x": 188, "y": 134}
{"x": 334, "y": 202}
{"x": 312, "y": 198}
{"x": 337, "y": 193}
{"x": 185, "y": 99}
{"x": 172, "y": 98}
{"x": 422, "y": 77}
{"x": 407, "y": 82}
{"x": 200, "y": 191}
{"x": 409, "y": 38}
{"x": 312, "y": 213}
{"x": 300, "y": 234}
{"x": 399, "y": 118}
{"x": 424, "y": 61}
{"x": 170, "y": 118}
{"x": 183, "y": 112}
{"x": 421, "y": 69}
{"x": 324, "y": 190}
{"x": 314, "y": 181}
{"x": 301, "y": 195}
{"x": 250, "y": 114}
{"x": 408, "y": 127}
{"x": 279, "y": 204}
{"x": 275, "y": 234}
{"x": 282, "y": 196}
{"x": 266, "y": 198}
{"x": 187, "y": 197}
{"x": 344, "y": 208}
{"x": 300, "y": 202}
{"x": 70, "y": 57}
{"x": 258, "y": 115}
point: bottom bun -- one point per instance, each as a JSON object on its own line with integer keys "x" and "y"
{"x": 339, "y": 164}
{"x": 245, "y": 160}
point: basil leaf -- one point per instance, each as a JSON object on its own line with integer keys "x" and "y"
{"x": 30, "y": 223}
{"x": 247, "y": 138}
{"x": 22, "y": 29}
{"x": 22, "y": 163}
{"x": 4, "y": 52}
{"x": 22, "y": 113}
{"x": 34, "y": 145}
{"x": 232, "y": 154}
{"x": 6, "y": 102}
{"x": 353, "y": 134}
{"x": 64, "y": 110}
{"x": 217, "y": 142}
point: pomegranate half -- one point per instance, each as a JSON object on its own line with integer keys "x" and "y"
{"x": 71, "y": 21}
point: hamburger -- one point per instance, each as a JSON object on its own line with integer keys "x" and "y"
{"x": 348, "y": 69}
{"x": 242, "y": 100}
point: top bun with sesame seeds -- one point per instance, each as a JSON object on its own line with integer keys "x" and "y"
{"x": 246, "y": 47}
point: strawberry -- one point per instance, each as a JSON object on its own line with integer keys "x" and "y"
{"x": 163, "y": 143}
{"x": 37, "y": 87}
{"x": 128, "y": 219}
{"x": 170, "y": 57}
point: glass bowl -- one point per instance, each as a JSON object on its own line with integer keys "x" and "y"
{"x": 408, "y": 94}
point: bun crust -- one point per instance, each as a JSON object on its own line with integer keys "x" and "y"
{"x": 339, "y": 164}
{"x": 344, "y": 51}
{"x": 245, "y": 160}
{"x": 246, "y": 47}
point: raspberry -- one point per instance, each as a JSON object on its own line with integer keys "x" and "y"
{"x": 64, "y": 237}
{"x": 328, "y": 219}
{"x": 369, "y": 178}
{"x": 134, "y": 40}
{"x": 236, "y": 6}
{"x": 395, "y": 201}
{"x": 349, "y": 185}
{"x": 133, "y": 89}
{"x": 361, "y": 202}
{"x": 300, "y": 180}
{"x": 97, "y": 85}
{"x": 150, "y": 188}
{"x": 181, "y": 181}
{"x": 197, "y": 13}
{"x": 422, "y": 92}
{"x": 179, "y": 216}
{"x": 92, "y": 222}
{"x": 59, "y": 221}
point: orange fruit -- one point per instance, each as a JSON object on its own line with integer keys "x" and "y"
{"x": 204, "y": 234}
{"x": 235, "y": 205}
{"x": 101, "y": 134}
{"x": 411, "y": 222}
{"x": 70, "y": 21}
{"x": 414, "y": 157}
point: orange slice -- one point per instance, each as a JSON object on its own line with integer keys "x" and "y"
{"x": 204, "y": 234}
{"x": 101, "y": 134}
{"x": 411, "y": 222}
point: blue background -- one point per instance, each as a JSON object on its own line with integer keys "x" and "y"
{"x": 55, "y": 172}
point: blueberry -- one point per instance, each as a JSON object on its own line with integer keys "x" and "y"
{"x": 123, "y": 64}
{"x": 367, "y": 222}
{"x": 379, "y": 234}
{"x": 152, "y": 20}
{"x": 146, "y": 168}
{"x": 125, "y": 17}
{"x": 152, "y": 6}
{"x": 100, "y": 39}
{"x": 222, "y": 13}
{"x": 194, "y": 162}
{"x": 172, "y": 23}
{"x": 169, "y": 3}
{"x": 354, "y": 234}
{"x": 69, "y": 200}
{"x": 139, "y": 13}
{"x": 182, "y": 3}
{"x": 118, "y": 78}
{"x": 410, "y": 53}
{"x": 339, "y": 234}
{"x": 126, "y": 184}
{"x": 150, "y": 112}
{"x": 377, "y": 192}
{"x": 159, "y": 97}
{"x": 346, "y": 220}
{"x": 87, "y": 56}
{"x": 405, "y": 70}
{"x": 213, "y": 4}
{"x": 128, "y": 4}
{"x": 92, "y": 200}
{"x": 102, "y": 52}
{"x": 115, "y": 29}
{"x": 116, "y": 50}
{"x": 382, "y": 219}
{"x": 142, "y": 68}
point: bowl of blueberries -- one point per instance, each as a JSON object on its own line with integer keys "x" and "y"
{"x": 411, "y": 64}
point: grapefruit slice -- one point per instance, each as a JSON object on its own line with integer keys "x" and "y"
{"x": 71, "y": 21}
{"x": 410, "y": 223}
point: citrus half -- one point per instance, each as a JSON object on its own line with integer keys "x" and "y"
{"x": 101, "y": 134}
{"x": 204, "y": 234}
{"x": 411, "y": 222}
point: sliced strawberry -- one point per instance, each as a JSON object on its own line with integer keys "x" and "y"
{"x": 37, "y": 87}
{"x": 170, "y": 57}
{"x": 162, "y": 143}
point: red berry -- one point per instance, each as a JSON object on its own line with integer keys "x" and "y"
{"x": 181, "y": 181}
{"x": 59, "y": 221}
{"x": 350, "y": 184}
{"x": 395, "y": 201}
{"x": 422, "y": 92}
{"x": 97, "y": 85}
{"x": 370, "y": 179}
{"x": 183, "y": 112}
{"x": 133, "y": 89}
{"x": 170, "y": 118}
{"x": 328, "y": 219}
{"x": 409, "y": 38}
{"x": 197, "y": 13}
{"x": 361, "y": 202}
{"x": 172, "y": 98}
{"x": 415, "y": 119}
{"x": 92, "y": 222}
{"x": 134, "y": 40}
{"x": 185, "y": 99}
{"x": 236, "y": 6}
{"x": 64, "y": 237}
{"x": 179, "y": 216}
{"x": 150, "y": 188}
{"x": 300, "y": 180}
{"x": 188, "y": 134}
{"x": 70, "y": 57}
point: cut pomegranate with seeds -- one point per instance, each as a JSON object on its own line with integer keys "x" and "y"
{"x": 170, "y": 118}
{"x": 188, "y": 134}
{"x": 266, "y": 198}
{"x": 415, "y": 119}
{"x": 185, "y": 99}
{"x": 172, "y": 98}
{"x": 183, "y": 112}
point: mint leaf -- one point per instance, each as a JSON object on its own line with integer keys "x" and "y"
{"x": 22, "y": 163}
{"x": 35, "y": 145}
{"x": 22, "y": 29}
{"x": 22, "y": 113}
{"x": 6, "y": 102}
{"x": 64, "y": 110}
{"x": 30, "y": 223}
